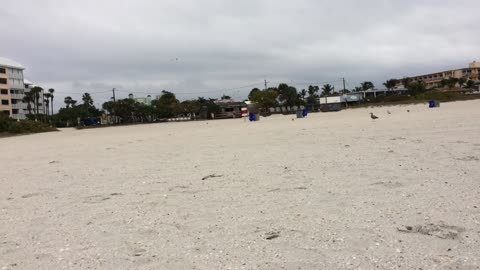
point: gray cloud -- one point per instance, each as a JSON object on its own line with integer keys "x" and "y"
{"x": 134, "y": 45}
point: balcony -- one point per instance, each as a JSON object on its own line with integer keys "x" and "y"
{"x": 19, "y": 106}
{"x": 17, "y": 96}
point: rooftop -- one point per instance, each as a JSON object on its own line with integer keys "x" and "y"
{"x": 5, "y": 62}
{"x": 472, "y": 65}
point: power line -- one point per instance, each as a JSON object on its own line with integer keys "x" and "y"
{"x": 224, "y": 90}
{"x": 80, "y": 93}
{"x": 196, "y": 92}
{"x": 311, "y": 83}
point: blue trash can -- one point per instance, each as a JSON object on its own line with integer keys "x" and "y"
{"x": 431, "y": 104}
{"x": 305, "y": 112}
{"x": 251, "y": 117}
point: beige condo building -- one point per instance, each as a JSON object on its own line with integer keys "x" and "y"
{"x": 434, "y": 79}
{"x": 12, "y": 90}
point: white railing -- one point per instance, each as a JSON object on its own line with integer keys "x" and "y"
{"x": 19, "y": 106}
{"x": 17, "y": 96}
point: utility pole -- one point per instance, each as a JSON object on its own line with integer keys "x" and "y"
{"x": 113, "y": 111}
{"x": 344, "y": 90}
{"x": 265, "y": 84}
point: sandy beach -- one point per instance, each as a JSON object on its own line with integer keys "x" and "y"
{"x": 331, "y": 191}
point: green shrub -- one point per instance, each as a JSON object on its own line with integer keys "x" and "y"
{"x": 9, "y": 125}
{"x": 441, "y": 96}
{"x": 386, "y": 99}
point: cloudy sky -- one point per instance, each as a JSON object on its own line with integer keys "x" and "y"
{"x": 211, "y": 47}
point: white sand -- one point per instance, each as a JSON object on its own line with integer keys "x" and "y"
{"x": 335, "y": 186}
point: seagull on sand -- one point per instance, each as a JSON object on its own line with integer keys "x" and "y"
{"x": 373, "y": 116}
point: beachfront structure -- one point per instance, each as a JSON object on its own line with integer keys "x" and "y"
{"x": 41, "y": 106}
{"x": 229, "y": 108}
{"x": 373, "y": 93}
{"x": 13, "y": 87}
{"x": 144, "y": 100}
{"x": 434, "y": 79}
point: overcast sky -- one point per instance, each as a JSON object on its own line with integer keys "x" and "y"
{"x": 200, "y": 47}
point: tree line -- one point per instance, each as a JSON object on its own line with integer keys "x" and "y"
{"x": 129, "y": 110}
{"x": 287, "y": 95}
{"x": 167, "y": 105}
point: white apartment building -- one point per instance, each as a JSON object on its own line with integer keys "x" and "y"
{"x": 13, "y": 89}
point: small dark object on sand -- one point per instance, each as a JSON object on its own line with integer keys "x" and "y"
{"x": 211, "y": 176}
{"x": 441, "y": 230}
{"x": 389, "y": 112}
{"x": 373, "y": 116}
{"x": 272, "y": 235}
{"x": 408, "y": 110}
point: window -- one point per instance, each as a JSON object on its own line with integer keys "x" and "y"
{"x": 5, "y": 102}
{"x": 15, "y": 111}
{"x": 4, "y": 91}
{"x": 3, "y": 81}
{"x": 14, "y": 101}
{"x": 2, "y": 70}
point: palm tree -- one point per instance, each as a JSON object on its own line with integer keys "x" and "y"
{"x": 28, "y": 98}
{"x": 327, "y": 89}
{"x": 444, "y": 82}
{"x": 406, "y": 82}
{"x": 367, "y": 86}
{"x": 303, "y": 93}
{"x": 46, "y": 100}
{"x": 36, "y": 91}
{"x": 313, "y": 90}
{"x": 68, "y": 101}
{"x": 357, "y": 89}
{"x": 462, "y": 82}
{"x": 470, "y": 84}
{"x": 87, "y": 100}
{"x": 452, "y": 82}
{"x": 51, "y": 91}
{"x": 390, "y": 84}
{"x": 312, "y": 96}
{"x": 47, "y": 103}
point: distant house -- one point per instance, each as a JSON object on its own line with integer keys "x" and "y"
{"x": 330, "y": 103}
{"x": 354, "y": 97}
{"x": 373, "y": 93}
{"x": 143, "y": 100}
{"x": 229, "y": 108}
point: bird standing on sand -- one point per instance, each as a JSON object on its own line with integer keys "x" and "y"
{"x": 373, "y": 116}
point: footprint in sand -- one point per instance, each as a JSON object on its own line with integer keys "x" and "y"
{"x": 95, "y": 199}
{"x": 441, "y": 230}
{"x": 26, "y": 196}
{"x": 388, "y": 184}
{"x": 468, "y": 158}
